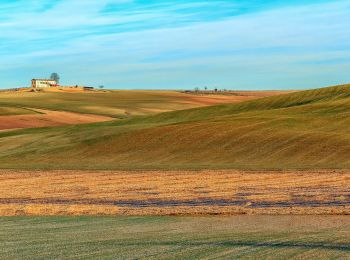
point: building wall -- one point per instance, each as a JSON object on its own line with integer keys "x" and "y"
{"x": 40, "y": 83}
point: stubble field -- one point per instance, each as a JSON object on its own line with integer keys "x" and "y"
{"x": 206, "y": 192}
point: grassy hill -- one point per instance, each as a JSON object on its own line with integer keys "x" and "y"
{"x": 118, "y": 104}
{"x": 308, "y": 129}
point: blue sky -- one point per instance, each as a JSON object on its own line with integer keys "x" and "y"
{"x": 139, "y": 44}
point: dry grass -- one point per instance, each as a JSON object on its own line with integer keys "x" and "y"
{"x": 174, "y": 192}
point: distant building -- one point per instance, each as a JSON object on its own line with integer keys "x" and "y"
{"x": 44, "y": 83}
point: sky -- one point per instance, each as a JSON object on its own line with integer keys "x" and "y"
{"x": 176, "y": 44}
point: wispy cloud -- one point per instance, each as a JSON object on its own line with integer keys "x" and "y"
{"x": 176, "y": 44}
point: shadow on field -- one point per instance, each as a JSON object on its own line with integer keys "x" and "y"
{"x": 274, "y": 245}
{"x": 176, "y": 203}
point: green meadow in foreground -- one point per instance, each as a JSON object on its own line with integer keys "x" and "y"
{"x": 307, "y": 129}
{"x": 253, "y": 237}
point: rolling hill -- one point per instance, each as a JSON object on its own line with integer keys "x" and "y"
{"x": 307, "y": 129}
{"x": 55, "y": 107}
{"x": 116, "y": 103}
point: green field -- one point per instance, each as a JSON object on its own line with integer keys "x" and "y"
{"x": 245, "y": 237}
{"x": 307, "y": 130}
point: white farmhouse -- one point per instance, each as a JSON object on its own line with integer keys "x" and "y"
{"x": 44, "y": 83}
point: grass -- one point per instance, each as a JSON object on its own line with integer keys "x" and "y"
{"x": 244, "y": 237}
{"x": 303, "y": 130}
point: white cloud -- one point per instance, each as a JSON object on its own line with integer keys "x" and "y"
{"x": 292, "y": 41}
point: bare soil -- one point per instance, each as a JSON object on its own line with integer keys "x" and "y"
{"x": 206, "y": 99}
{"x": 46, "y": 118}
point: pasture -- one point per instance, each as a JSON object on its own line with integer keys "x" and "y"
{"x": 239, "y": 237}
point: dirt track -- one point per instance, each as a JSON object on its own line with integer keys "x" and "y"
{"x": 48, "y": 118}
{"x": 174, "y": 192}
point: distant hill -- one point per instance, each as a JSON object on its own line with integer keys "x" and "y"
{"x": 307, "y": 129}
{"x": 115, "y": 103}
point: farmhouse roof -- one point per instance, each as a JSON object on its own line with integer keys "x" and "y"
{"x": 45, "y": 79}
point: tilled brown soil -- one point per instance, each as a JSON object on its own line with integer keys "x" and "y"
{"x": 48, "y": 118}
{"x": 174, "y": 192}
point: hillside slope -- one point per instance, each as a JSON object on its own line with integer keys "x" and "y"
{"x": 117, "y": 103}
{"x": 308, "y": 129}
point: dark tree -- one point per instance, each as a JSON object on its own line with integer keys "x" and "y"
{"x": 101, "y": 87}
{"x": 55, "y": 76}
